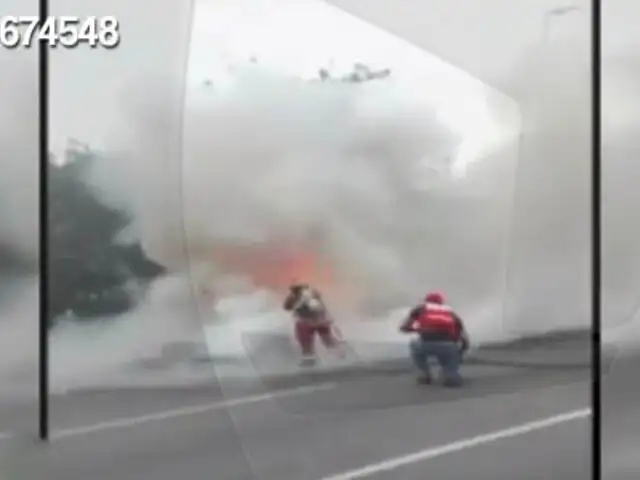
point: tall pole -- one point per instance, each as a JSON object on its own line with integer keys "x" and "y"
{"x": 43, "y": 339}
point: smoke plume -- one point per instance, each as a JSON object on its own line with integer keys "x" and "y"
{"x": 18, "y": 214}
{"x": 243, "y": 187}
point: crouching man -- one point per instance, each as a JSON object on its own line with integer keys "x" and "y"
{"x": 441, "y": 335}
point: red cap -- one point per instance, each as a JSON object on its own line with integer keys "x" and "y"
{"x": 434, "y": 297}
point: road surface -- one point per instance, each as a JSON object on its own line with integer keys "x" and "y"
{"x": 621, "y": 418}
{"x": 507, "y": 422}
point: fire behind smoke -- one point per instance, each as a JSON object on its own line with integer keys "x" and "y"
{"x": 275, "y": 265}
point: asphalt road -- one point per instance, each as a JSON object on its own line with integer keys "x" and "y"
{"x": 621, "y": 418}
{"x": 505, "y": 423}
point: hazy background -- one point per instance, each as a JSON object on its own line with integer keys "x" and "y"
{"x": 540, "y": 57}
{"x": 346, "y": 183}
{"x": 620, "y": 172}
{"x": 490, "y": 50}
{"x": 621, "y": 266}
{"x": 18, "y": 212}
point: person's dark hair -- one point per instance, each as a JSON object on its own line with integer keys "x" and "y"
{"x": 298, "y": 287}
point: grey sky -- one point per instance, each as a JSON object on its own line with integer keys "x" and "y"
{"x": 483, "y": 37}
{"x": 486, "y": 36}
{"x": 84, "y": 82}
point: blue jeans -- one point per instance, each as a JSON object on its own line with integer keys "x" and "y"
{"x": 446, "y": 353}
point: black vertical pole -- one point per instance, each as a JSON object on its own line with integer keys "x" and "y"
{"x": 596, "y": 239}
{"x": 43, "y": 383}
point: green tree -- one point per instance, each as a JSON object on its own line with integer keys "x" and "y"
{"x": 90, "y": 270}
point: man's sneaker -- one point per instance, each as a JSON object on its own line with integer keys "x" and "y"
{"x": 308, "y": 362}
{"x": 340, "y": 351}
{"x": 452, "y": 383}
{"x": 424, "y": 380}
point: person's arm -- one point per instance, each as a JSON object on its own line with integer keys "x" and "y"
{"x": 325, "y": 309}
{"x": 288, "y": 302}
{"x": 464, "y": 338}
{"x": 407, "y": 325}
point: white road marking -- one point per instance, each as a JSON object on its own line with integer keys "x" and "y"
{"x": 397, "y": 462}
{"x": 5, "y": 435}
{"x": 186, "y": 411}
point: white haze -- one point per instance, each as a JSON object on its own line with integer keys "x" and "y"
{"x": 620, "y": 176}
{"x": 18, "y": 213}
{"x": 338, "y": 163}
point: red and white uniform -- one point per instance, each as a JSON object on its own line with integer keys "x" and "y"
{"x": 436, "y": 317}
{"x": 311, "y": 319}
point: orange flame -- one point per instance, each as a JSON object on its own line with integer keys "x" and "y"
{"x": 274, "y": 267}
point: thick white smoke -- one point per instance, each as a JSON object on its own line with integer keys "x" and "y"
{"x": 91, "y": 351}
{"x": 344, "y": 173}
{"x": 620, "y": 196}
{"x": 549, "y": 284}
{"x": 19, "y": 139}
{"x": 18, "y": 214}
{"x": 338, "y": 171}
{"x": 263, "y": 178}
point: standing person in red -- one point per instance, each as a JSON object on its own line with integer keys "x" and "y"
{"x": 441, "y": 334}
{"x": 311, "y": 318}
